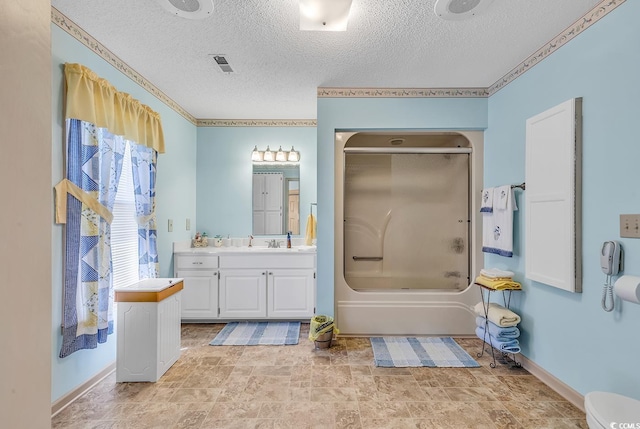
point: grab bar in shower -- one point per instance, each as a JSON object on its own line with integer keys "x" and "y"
{"x": 367, "y": 258}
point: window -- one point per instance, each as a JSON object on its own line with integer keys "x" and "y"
{"x": 124, "y": 228}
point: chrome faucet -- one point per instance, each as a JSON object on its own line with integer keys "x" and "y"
{"x": 273, "y": 244}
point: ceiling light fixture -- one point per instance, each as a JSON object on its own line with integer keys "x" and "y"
{"x": 456, "y": 10}
{"x": 190, "y": 9}
{"x": 324, "y": 15}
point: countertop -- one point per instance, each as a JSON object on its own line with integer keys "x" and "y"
{"x": 185, "y": 248}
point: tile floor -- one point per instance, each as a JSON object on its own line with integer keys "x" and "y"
{"x": 300, "y": 387}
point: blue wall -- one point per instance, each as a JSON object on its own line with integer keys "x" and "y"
{"x": 352, "y": 114}
{"x": 569, "y": 335}
{"x": 225, "y": 174}
{"x": 175, "y": 199}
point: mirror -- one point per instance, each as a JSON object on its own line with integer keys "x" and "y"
{"x": 276, "y": 199}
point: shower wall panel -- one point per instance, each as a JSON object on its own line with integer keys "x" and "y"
{"x": 406, "y": 221}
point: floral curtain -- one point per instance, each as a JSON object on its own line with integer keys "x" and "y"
{"x": 143, "y": 161}
{"x": 99, "y": 119}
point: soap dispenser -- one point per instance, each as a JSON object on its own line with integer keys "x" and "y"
{"x": 289, "y": 240}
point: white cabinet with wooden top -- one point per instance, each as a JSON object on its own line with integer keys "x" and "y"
{"x": 148, "y": 328}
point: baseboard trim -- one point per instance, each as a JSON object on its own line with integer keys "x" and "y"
{"x": 68, "y": 399}
{"x": 561, "y": 388}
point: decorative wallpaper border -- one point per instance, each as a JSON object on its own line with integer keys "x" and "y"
{"x": 401, "y": 92}
{"x": 99, "y": 49}
{"x": 593, "y": 16}
{"x": 256, "y": 123}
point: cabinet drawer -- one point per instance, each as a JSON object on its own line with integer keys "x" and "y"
{"x": 196, "y": 261}
{"x": 268, "y": 261}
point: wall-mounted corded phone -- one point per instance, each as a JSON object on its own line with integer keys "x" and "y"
{"x": 611, "y": 263}
{"x": 610, "y": 260}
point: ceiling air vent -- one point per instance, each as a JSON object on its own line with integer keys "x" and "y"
{"x": 455, "y": 10}
{"x": 223, "y": 63}
{"x": 191, "y": 9}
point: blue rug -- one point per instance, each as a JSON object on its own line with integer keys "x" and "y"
{"x": 258, "y": 334}
{"x": 425, "y": 351}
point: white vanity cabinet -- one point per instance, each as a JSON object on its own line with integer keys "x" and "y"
{"x": 200, "y": 293}
{"x": 271, "y": 286}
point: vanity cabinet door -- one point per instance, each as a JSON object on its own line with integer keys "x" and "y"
{"x": 243, "y": 294}
{"x": 200, "y": 294}
{"x": 290, "y": 293}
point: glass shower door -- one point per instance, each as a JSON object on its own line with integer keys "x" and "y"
{"x": 406, "y": 220}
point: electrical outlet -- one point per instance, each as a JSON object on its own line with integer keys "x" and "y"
{"x": 630, "y": 225}
{"x": 170, "y": 225}
{"x": 188, "y": 224}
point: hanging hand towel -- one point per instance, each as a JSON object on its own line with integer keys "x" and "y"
{"x": 501, "y": 198}
{"x": 487, "y": 200}
{"x": 497, "y": 227}
{"x": 310, "y": 233}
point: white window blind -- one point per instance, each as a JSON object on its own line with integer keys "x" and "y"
{"x": 124, "y": 229}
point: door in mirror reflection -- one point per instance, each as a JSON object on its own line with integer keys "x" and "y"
{"x": 276, "y": 199}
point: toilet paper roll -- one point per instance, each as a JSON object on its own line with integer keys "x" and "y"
{"x": 628, "y": 288}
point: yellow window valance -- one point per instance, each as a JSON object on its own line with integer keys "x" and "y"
{"x": 93, "y": 99}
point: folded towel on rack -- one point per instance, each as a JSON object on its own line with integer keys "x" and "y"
{"x": 497, "y": 227}
{"x": 496, "y": 273}
{"x": 498, "y": 284}
{"x": 487, "y": 200}
{"x": 310, "y": 233}
{"x": 508, "y": 346}
{"x": 501, "y": 333}
{"x": 497, "y": 314}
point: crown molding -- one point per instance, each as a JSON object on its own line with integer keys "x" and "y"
{"x": 99, "y": 49}
{"x": 402, "y": 92}
{"x": 590, "y": 18}
{"x": 256, "y": 123}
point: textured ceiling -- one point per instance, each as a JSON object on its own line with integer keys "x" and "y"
{"x": 388, "y": 44}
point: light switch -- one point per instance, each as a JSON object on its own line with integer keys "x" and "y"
{"x": 170, "y": 225}
{"x": 188, "y": 224}
{"x": 630, "y": 225}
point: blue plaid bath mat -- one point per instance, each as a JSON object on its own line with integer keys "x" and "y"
{"x": 258, "y": 334}
{"x": 422, "y": 351}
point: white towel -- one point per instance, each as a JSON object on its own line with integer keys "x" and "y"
{"x": 501, "y": 197}
{"x": 497, "y": 314}
{"x": 497, "y": 227}
{"x": 487, "y": 200}
{"x": 496, "y": 273}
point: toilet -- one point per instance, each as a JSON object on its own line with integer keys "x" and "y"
{"x": 609, "y": 410}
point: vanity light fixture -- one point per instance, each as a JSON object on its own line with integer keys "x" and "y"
{"x": 276, "y": 157}
{"x": 256, "y": 155}
{"x": 324, "y": 15}
{"x": 268, "y": 155}
{"x": 293, "y": 156}
{"x": 280, "y": 155}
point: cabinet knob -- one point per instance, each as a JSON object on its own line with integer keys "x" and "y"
{"x": 263, "y": 273}
{"x": 270, "y": 273}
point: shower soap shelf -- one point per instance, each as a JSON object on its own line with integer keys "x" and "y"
{"x": 506, "y": 298}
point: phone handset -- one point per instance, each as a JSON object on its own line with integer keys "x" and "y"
{"x": 611, "y": 264}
